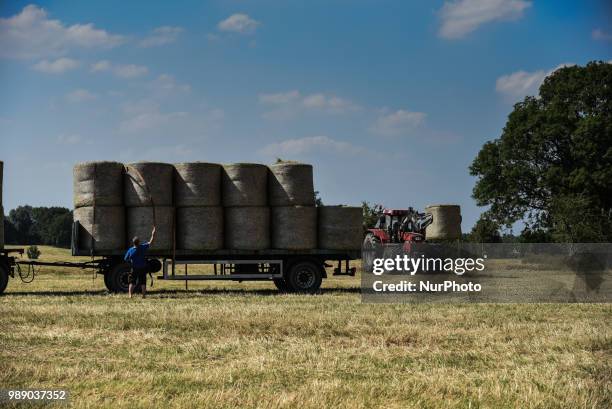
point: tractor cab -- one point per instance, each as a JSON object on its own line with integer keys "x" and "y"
{"x": 400, "y": 226}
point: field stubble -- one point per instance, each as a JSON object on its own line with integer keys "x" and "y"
{"x": 245, "y": 345}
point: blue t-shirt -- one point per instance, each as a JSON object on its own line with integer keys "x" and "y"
{"x": 136, "y": 255}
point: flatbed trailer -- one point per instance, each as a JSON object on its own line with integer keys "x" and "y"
{"x": 290, "y": 270}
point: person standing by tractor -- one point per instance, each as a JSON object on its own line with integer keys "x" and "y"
{"x": 136, "y": 256}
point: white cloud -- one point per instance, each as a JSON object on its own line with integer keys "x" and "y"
{"x": 31, "y": 34}
{"x": 119, "y": 70}
{"x": 149, "y": 120}
{"x": 329, "y": 103}
{"x": 130, "y": 71}
{"x": 398, "y": 122}
{"x": 239, "y": 23}
{"x": 600, "y": 35}
{"x": 161, "y": 36}
{"x": 167, "y": 84}
{"x": 279, "y": 98}
{"x": 522, "y": 83}
{"x": 289, "y": 104}
{"x": 310, "y": 144}
{"x": 58, "y": 66}
{"x": 461, "y": 17}
{"x": 81, "y": 95}
{"x": 103, "y": 65}
{"x": 69, "y": 139}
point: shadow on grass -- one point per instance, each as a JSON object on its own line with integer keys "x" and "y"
{"x": 176, "y": 293}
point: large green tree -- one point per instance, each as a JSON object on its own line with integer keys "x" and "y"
{"x": 552, "y": 165}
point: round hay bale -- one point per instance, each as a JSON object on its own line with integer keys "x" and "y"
{"x": 290, "y": 184}
{"x": 294, "y": 227}
{"x": 140, "y": 222}
{"x": 146, "y": 181}
{"x": 245, "y": 184}
{"x": 247, "y": 228}
{"x": 340, "y": 227}
{"x": 98, "y": 184}
{"x": 102, "y": 229}
{"x": 199, "y": 228}
{"x": 446, "y": 222}
{"x": 197, "y": 184}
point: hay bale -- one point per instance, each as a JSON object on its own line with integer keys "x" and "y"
{"x": 340, "y": 227}
{"x": 290, "y": 184}
{"x": 294, "y": 227}
{"x": 98, "y": 184}
{"x": 148, "y": 181}
{"x": 245, "y": 184}
{"x": 140, "y": 221}
{"x": 446, "y": 222}
{"x": 197, "y": 184}
{"x": 102, "y": 229}
{"x": 247, "y": 228}
{"x": 199, "y": 228}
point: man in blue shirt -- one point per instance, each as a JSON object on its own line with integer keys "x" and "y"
{"x": 136, "y": 256}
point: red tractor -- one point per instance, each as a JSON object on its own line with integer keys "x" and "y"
{"x": 399, "y": 226}
{"x": 405, "y": 226}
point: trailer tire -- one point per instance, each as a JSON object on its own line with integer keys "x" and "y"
{"x": 281, "y": 284}
{"x": 3, "y": 278}
{"x": 117, "y": 278}
{"x": 304, "y": 277}
{"x": 107, "y": 282}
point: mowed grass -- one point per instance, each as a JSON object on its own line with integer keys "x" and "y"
{"x": 244, "y": 345}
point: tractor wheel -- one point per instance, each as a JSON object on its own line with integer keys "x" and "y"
{"x": 281, "y": 284}
{"x": 117, "y": 278}
{"x": 3, "y": 278}
{"x": 371, "y": 244}
{"x": 304, "y": 277}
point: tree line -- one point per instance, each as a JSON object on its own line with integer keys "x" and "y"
{"x": 38, "y": 225}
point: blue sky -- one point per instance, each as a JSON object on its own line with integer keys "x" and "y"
{"x": 389, "y": 100}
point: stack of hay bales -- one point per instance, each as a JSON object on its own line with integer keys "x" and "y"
{"x": 1, "y": 209}
{"x": 340, "y": 227}
{"x": 204, "y": 207}
{"x": 293, "y": 211}
{"x": 148, "y": 198}
{"x": 245, "y": 200}
{"x": 98, "y": 206}
{"x": 199, "y": 215}
{"x": 446, "y": 222}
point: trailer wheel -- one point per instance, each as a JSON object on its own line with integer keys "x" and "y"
{"x": 107, "y": 282}
{"x": 281, "y": 284}
{"x": 117, "y": 278}
{"x": 3, "y": 278}
{"x": 304, "y": 277}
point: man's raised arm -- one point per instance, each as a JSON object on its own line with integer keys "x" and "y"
{"x": 152, "y": 239}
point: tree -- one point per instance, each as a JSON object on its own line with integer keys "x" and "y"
{"x": 39, "y": 225}
{"x": 486, "y": 230}
{"x": 554, "y": 150}
{"x": 370, "y": 214}
{"x": 21, "y": 219}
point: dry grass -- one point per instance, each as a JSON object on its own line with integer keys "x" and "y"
{"x": 244, "y": 345}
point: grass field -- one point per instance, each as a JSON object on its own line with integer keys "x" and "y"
{"x": 234, "y": 345}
